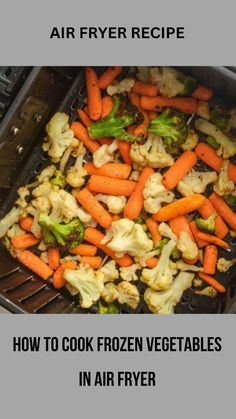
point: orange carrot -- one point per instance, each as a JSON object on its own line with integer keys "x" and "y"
{"x": 221, "y": 229}
{"x": 24, "y": 240}
{"x": 145, "y": 89}
{"x": 224, "y": 210}
{"x": 114, "y": 170}
{"x": 58, "y": 280}
{"x": 180, "y": 223}
{"x": 202, "y": 93}
{"x": 210, "y": 259}
{"x": 93, "y": 261}
{"x": 107, "y": 105}
{"x": 84, "y": 250}
{"x": 93, "y": 94}
{"x": 26, "y": 223}
{"x": 35, "y": 264}
{"x": 141, "y": 131}
{"x": 191, "y": 261}
{"x": 105, "y": 140}
{"x": 152, "y": 262}
{"x": 194, "y": 229}
{"x": 152, "y": 226}
{"x": 108, "y": 76}
{"x": 124, "y": 149}
{"x": 136, "y": 101}
{"x": 179, "y": 169}
{"x": 111, "y": 186}
{"x": 184, "y": 104}
{"x": 90, "y": 203}
{"x": 95, "y": 237}
{"x": 84, "y": 117}
{"x": 135, "y": 202}
{"x": 180, "y": 207}
{"x": 82, "y": 134}
{"x": 212, "y": 281}
{"x": 53, "y": 258}
{"x": 213, "y": 239}
{"x": 152, "y": 115}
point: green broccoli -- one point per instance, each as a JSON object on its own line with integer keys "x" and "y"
{"x": 189, "y": 83}
{"x": 109, "y": 309}
{"x": 160, "y": 244}
{"x": 208, "y": 224}
{"x": 219, "y": 118}
{"x": 66, "y": 235}
{"x": 59, "y": 179}
{"x": 114, "y": 125}
{"x": 212, "y": 142}
{"x": 231, "y": 200}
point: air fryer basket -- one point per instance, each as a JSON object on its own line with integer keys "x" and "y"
{"x": 24, "y": 292}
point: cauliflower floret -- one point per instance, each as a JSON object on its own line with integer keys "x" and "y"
{"x": 223, "y": 265}
{"x": 152, "y": 153}
{"x": 165, "y": 231}
{"x": 12, "y": 217}
{"x": 110, "y": 272}
{"x": 46, "y": 173}
{"x": 223, "y": 185}
{"x": 128, "y": 294}
{"x": 227, "y": 147}
{"x": 129, "y": 273}
{"x": 44, "y": 189}
{"x": 203, "y": 109}
{"x": 118, "y": 87}
{"x": 14, "y": 231}
{"x": 185, "y": 244}
{"x": 88, "y": 282}
{"x": 142, "y": 74}
{"x": 42, "y": 204}
{"x": 134, "y": 175}
{"x": 160, "y": 277}
{"x": 104, "y": 154}
{"x": 191, "y": 141}
{"x": 167, "y": 81}
{"x": 23, "y": 192}
{"x": 115, "y": 204}
{"x": 109, "y": 292}
{"x": 129, "y": 237}
{"x": 182, "y": 266}
{"x": 164, "y": 302}
{"x": 155, "y": 194}
{"x": 195, "y": 182}
{"x": 64, "y": 205}
{"x": 60, "y": 136}
{"x": 208, "y": 292}
{"x": 35, "y": 227}
{"x": 76, "y": 174}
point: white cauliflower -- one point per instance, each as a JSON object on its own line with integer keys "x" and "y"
{"x": 15, "y": 231}
{"x": 44, "y": 189}
{"x": 35, "y": 227}
{"x": 182, "y": 266}
{"x": 223, "y": 185}
{"x": 188, "y": 248}
{"x": 160, "y": 277}
{"x": 223, "y": 265}
{"x": 134, "y": 175}
{"x": 46, "y": 174}
{"x": 195, "y": 182}
{"x": 104, "y": 154}
{"x": 23, "y": 192}
{"x": 165, "y": 231}
{"x": 76, "y": 174}
{"x": 110, "y": 272}
{"x": 128, "y": 294}
{"x": 227, "y": 147}
{"x": 155, "y": 193}
{"x": 164, "y": 302}
{"x": 115, "y": 204}
{"x": 118, "y": 87}
{"x": 129, "y": 237}
{"x": 129, "y": 273}
{"x": 142, "y": 74}
{"x": 59, "y": 136}
{"x": 42, "y": 204}
{"x": 109, "y": 292}
{"x": 152, "y": 153}
{"x": 64, "y": 206}
{"x": 207, "y": 291}
{"x": 203, "y": 109}
{"x": 12, "y": 217}
{"x": 167, "y": 80}
{"x": 191, "y": 141}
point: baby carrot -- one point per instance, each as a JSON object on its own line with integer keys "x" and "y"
{"x": 224, "y": 210}
{"x": 115, "y": 217}
{"x": 82, "y": 134}
{"x": 212, "y": 281}
{"x": 152, "y": 226}
{"x": 58, "y": 280}
{"x": 184, "y": 104}
{"x": 111, "y": 186}
{"x": 152, "y": 262}
{"x": 135, "y": 202}
{"x": 114, "y": 170}
{"x": 221, "y": 229}
{"x": 107, "y": 105}
{"x": 124, "y": 149}
{"x": 35, "y": 264}
{"x": 108, "y": 76}
{"x": 105, "y": 140}
{"x": 210, "y": 259}
{"x": 84, "y": 250}
{"x": 213, "y": 239}
{"x": 202, "y": 93}
{"x": 24, "y": 240}
{"x": 179, "y": 169}
{"x": 141, "y": 131}
{"x": 84, "y": 117}
{"x": 53, "y": 258}
{"x": 144, "y": 89}
{"x": 26, "y": 223}
{"x": 93, "y": 94}
{"x": 90, "y": 203}
{"x": 180, "y": 223}
{"x": 93, "y": 261}
{"x": 180, "y": 207}
{"x": 195, "y": 231}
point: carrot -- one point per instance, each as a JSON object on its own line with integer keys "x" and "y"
{"x": 93, "y": 261}
{"x": 145, "y": 89}
{"x": 84, "y": 117}
{"x": 184, "y": 104}
{"x": 108, "y": 76}
{"x": 92, "y": 235}
{"x": 221, "y": 229}
{"x": 152, "y": 115}
{"x": 53, "y": 258}
{"x": 152, "y": 262}
{"x": 180, "y": 223}
{"x": 194, "y": 229}
{"x": 115, "y": 217}
{"x": 210, "y": 238}
{"x": 180, "y": 207}
{"x": 93, "y": 94}
{"x": 24, "y": 240}
{"x": 105, "y": 140}
{"x": 82, "y": 134}
{"x": 35, "y": 264}
{"x": 210, "y": 259}
{"x": 114, "y": 170}
{"x": 136, "y": 101}
{"x": 152, "y": 226}
{"x": 135, "y": 202}
{"x": 26, "y": 223}
{"x": 191, "y": 261}
{"x": 141, "y": 131}
{"x": 124, "y": 149}
{"x": 202, "y": 93}
{"x": 224, "y": 210}
{"x": 90, "y": 203}
{"x": 84, "y": 250}
{"x": 212, "y": 281}
{"x": 179, "y": 169}
{"x": 111, "y": 186}
{"x": 107, "y": 105}
{"x": 58, "y": 280}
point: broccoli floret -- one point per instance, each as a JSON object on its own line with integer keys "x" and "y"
{"x": 66, "y": 235}
{"x": 161, "y": 244}
{"x": 208, "y": 224}
{"x": 231, "y": 200}
{"x": 189, "y": 84}
{"x": 114, "y": 125}
{"x": 219, "y": 118}
{"x": 109, "y": 309}
{"x": 175, "y": 254}
{"x": 212, "y": 142}
{"x": 58, "y": 179}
